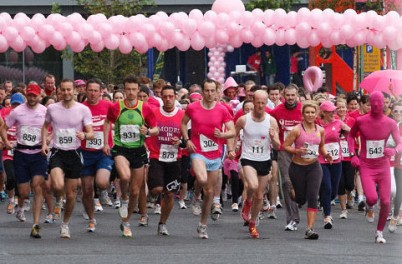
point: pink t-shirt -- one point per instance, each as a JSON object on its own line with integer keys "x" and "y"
{"x": 66, "y": 122}
{"x": 332, "y": 132}
{"x": 99, "y": 113}
{"x": 203, "y": 124}
{"x": 29, "y": 123}
{"x": 8, "y": 154}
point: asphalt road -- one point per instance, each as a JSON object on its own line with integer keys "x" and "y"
{"x": 350, "y": 241}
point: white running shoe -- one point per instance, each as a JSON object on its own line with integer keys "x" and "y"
{"x": 196, "y": 207}
{"x": 85, "y": 215}
{"x": 392, "y": 225}
{"x": 292, "y": 226}
{"x": 162, "y": 230}
{"x": 98, "y": 206}
{"x": 49, "y": 219}
{"x": 105, "y": 199}
{"x": 379, "y": 238}
{"x": 123, "y": 210}
{"x": 157, "y": 209}
{"x": 117, "y": 204}
{"x": 64, "y": 231}
{"x": 344, "y": 214}
{"x": 27, "y": 205}
{"x": 235, "y": 207}
{"x": 20, "y": 215}
{"x": 202, "y": 231}
{"x": 182, "y": 204}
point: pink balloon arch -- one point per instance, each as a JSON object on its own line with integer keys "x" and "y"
{"x": 227, "y": 26}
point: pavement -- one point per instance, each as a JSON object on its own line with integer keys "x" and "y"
{"x": 350, "y": 241}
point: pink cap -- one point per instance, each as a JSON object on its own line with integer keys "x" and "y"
{"x": 327, "y": 106}
{"x": 229, "y": 83}
{"x": 241, "y": 93}
{"x": 195, "y": 96}
{"x": 79, "y": 82}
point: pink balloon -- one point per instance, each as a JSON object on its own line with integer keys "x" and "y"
{"x": 313, "y": 79}
{"x": 10, "y": 33}
{"x": 28, "y": 33}
{"x": 95, "y": 37}
{"x": 233, "y": 28}
{"x": 184, "y": 45}
{"x": 96, "y": 20}
{"x": 229, "y": 48}
{"x": 74, "y": 39}
{"x": 280, "y": 18}
{"x": 116, "y": 22}
{"x": 163, "y": 46}
{"x": 18, "y": 44}
{"x": 134, "y": 24}
{"x": 347, "y": 31}
{"x": 257, "y": 41}
{"x": 56, "y": 38}
{"x": 290, "y": 36}
{"x": 258, "y": 14}
{"x": 46, "y": 31}
{"x": 211, "y": 16}
{"x": 221, "y": 37}
{"x": 379, "y": 23}
{"x": 223, "y": 20}
{"x": 247, "y": 19}
{"x": 313, "y": 38}
{"x": 335, "y": 37}
{"x": 226, "y": 6}
{"x": 39, "y": 46}
{"x": 258, "y": 28}
{"x": 61, "y": 45}
{"x": 166, "y": 29}
{"x": 137, "y": 39}
{"x": 268, "y": 17}
{"x": 246, "y": 35}
{"x": 155, "y": 40}
{"x": 105, "y": 29}
{"x": 269, "y": 37}
{"x": 97, "y": 47}
{"x": 389, "y": 33}
{"x": 85, "y": 30}
{"x": 125, "y": 45}
{"x": 196, "y": 15}
{"x": 190, "y": 27}
{"x": 360, "y": 37}
{"x": 197, "y": 41}
{"x": 206, "y": 29}
{"x": 148, "y": 30}
{"x": 3, "y": 44}
{"x": 291, "y": 19}
{"x": 315, "y": 17}
{"x": 236, "y": 41}
{"x": 303, "y": 43}
{"x": 66, "y": 29}
{"x": 324, "y": 30}
{"x": 280, "y": 37}
{"x": 302, "y": 30}
{"x": 210, "y": 42}
{"x": 176, "y": 38}
{"x": 78, "y": 47}
{"x": 112, "y": 42}
{"x": 303, "y": 14}
{"x": 326, "y": 43}
{"x": 235, "y": 16}
{"x": 379, "y": 41}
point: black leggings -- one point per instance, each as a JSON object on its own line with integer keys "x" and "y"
{"x": 9, "y": 170}
{"x": 237, "y": 186}
{"x": 398, "y": 194}
{"x": 306, "y": 181}
{"x": 347, "y": 182}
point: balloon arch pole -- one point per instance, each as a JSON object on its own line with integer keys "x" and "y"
{"x": 225, "y": 27}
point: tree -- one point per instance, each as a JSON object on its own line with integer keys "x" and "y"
{"x": 111, "y": 66}
{"x": 271, "y": 4}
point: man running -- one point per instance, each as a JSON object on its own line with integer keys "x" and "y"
{"x": 165, "y": 156}
{"x": 133, "y": 121}
{"x": 97, "y": 165}
{"x": 71, "y": 123}
{"x": 207, "y": 119}
{"x": 29, "y": 165}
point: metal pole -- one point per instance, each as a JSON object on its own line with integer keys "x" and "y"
{"x": 23, "y": 66}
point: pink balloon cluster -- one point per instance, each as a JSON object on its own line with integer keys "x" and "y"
{"x": 217, "y": 64}
{"x": 197, "y": 30}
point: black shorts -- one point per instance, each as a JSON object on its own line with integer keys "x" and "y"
{"x": 274, "y": 155}
{"x": 137, "y": 157}
{"x": 185, "y": 168}
{"x": 26, "y": 166}
{"x": 70, "y": 161}
{"x": 164, "y": 174}
{"x": 262, "y": 167}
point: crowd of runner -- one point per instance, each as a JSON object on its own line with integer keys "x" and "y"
{"x": 140, "y": 145}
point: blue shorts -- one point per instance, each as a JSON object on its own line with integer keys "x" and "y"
{"x": 211, "y": 165}
{"x": 95, "y": 160}
{"x": 26, "y": 166}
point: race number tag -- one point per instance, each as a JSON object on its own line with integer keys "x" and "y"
{"x": 129, "y": 133}
{"x": 168, "y": 153}
{"x": 312, "y": 152}
{"x": 97, "y": 142}
{"x": 65, "y": 138}
{"x": 258, "y": 147}
{"x": 345, "y": 149}
{"x": 333, "y": 150}
{"x": 30, "y": 136}
{"x": 375, "y": 149}
{"x": 207, "y": 144}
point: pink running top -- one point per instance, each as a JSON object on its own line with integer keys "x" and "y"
{"x": 309, "y": 140}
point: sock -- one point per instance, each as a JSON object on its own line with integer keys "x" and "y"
{"x": 217, "y": 200}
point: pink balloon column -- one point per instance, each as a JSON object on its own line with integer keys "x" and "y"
{"x": 217, "y": 64}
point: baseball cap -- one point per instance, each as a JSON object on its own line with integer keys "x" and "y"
{"x": 17, "y": 98}
{"x": 79, "y": 82}
{"x": 327, "y": 106}
{"x": 33, "y": 89}
{"x": 195, "y": 96}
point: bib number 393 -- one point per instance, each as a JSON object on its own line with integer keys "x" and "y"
{"x": 207, "y": 144}
{"x": 375, "y": 149}
{"x": 97, "y": 142}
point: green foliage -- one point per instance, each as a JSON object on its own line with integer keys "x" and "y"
{"x": 271, "y": 4}
{"x": 111, "y": 66}
{"x": 56, "y": 9}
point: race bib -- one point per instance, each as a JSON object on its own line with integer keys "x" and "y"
{"x": 312, "y": 152}
{"x": 375, "y": 149}
{"x": 207, "y": 144}
{"x": 258, "y": 147}
{"x": 97, "y": 142}
{"x": 345, "y": 149}
{"x": 168, "y": 153}
{"x": 333, "y": 150}
{"x": 65, "y": 138}
{"x": 30, "y": 136}
{"x": 129, "y": 133}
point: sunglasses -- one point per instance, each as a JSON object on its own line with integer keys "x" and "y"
{"x": 397, "y": 111}
{"x": 168, "y": 96}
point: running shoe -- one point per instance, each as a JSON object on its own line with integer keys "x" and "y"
{"x": 265, "y": 204}
{"x": 272, "y": 212}
{"x": 117, "y": 204}
{"x": 392, "y": 225}
{"x": 98, "y": 206}
{"x": 85, "y": 215}
{"x": 150, "y": 205}
{"x": 3, "y": 196}
{"x": 292, "y": 226}
{"x": 123, "y": 210}
{"x": 49, "y": 219}
{"x": 235, "y": 207}
{"x": 57, "y": 210}
{"x": 253, "y": 230}
{"x": 361, "y": 206}
{"x": 310, "y": 234}
{"x": 350, "y": 202}
{"x": 202, "y": 231}
{"x": 64, "y": 231}
{"x": 157, "y": 209}
{"x": 143, "y": 220}
{"x": 399, "y": 222}
{"x": 369, "y": 214}
{"x": 328, "y": 222}
{"x": 20, "y": 215}
{"x": 245, "y": 212}
{"x": 379, "y": 238}
{"x": 162, "y": 230}
{"x": 27, "y": 205}
{"x": 344, "y": 214}
{"x": 11, "y": 207}
{"x": 216, "y": 211}
{"x": 196, "y": 207}
{"x": 105, "y": 199}
{"x": 91, "y": 226}
{"x": 278, "y": 203}
{"x": 182, "y": 204}
{"x": 333, "y": 202}
{"x": 35, "y": 232}
{"x": 125, "y": 229}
